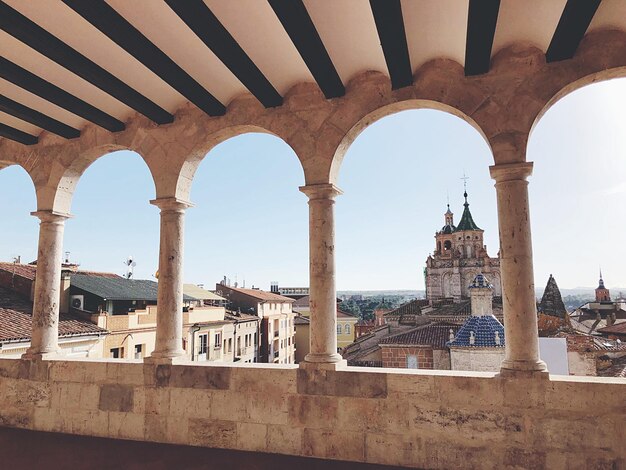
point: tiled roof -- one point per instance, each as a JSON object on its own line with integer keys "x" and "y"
{"x": 483, "y": 330}
{"x": 118, "y": 288}
{"x": 342, "y": 314}
{"x": 300, "y": 320}
{"x": 16, "y": 320}
{"x": 199, "y": 293}
{"x": 617, "y": 328}
{"x": 262, "y": 295}
{"x": 587, "y": 343}
{"x": 237, "y": 316}
{"x": 467, "y": 221}
{"x": 434, "y": 334}
{"x": 302, "y": 302}
{"x": 414, "y": 307}
{"x": 551, "y": 301}
{"x": 26, "y": 271}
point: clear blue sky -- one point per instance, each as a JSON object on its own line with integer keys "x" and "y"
{"x": 250, "y": 221}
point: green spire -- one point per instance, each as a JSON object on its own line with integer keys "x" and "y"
{"x": 467, "y": 222}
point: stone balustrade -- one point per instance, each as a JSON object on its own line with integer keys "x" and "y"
{"x": 411, "y": 418}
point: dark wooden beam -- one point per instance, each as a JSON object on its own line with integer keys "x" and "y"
{"x": 46, "y": 90}
{"x": 201, "y": 20}
{"x": 17, "y": 135}
{"x": 23, "y": 29}
{"x": 390, "y": 26}
{"x": 575, "y": 20}
{"x": 300, "y": 28}
{"x": 33, "y": 116}
{"x": 481, "y": 29}
{"x": 125, "y": 35}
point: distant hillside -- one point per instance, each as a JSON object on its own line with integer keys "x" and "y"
{"x": 383, "y": 293}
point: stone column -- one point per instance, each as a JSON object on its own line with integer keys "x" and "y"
{"x": 45, "y": 332}
{"x": 516, "y": 266}
{"x": 169, "y": 331}
{"x": 322, "y": 294}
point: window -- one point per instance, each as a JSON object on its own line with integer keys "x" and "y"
{"x": 338, "y": 329}
{"x": 346, "y": 329}
{"x": 411, "y": 362}
{"x": 115, "y": 353}
{"x": 203, "y": 342}
{"x": 218, "y": 340}
{"x": 230, "y": 345}
{"x": 447, "y": 245}
{"x": 138, "y": 351}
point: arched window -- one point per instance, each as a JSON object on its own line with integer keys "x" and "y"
{"x": 447, "y": 245}
{"x": 338, "y": 329}
{"x": 346, "y": 329}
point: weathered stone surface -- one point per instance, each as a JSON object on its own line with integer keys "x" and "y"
{"x": 115, "y": 397}
{"x": 438, "y": 420}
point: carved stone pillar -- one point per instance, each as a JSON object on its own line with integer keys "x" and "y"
{"x": 169, "y": 332}
{"x": 322, "y": 294}
{"x": 45, "y": 327}
{"x": 516, "y": 266}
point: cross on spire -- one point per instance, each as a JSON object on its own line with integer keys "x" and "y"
{"x": 465, "y": 178}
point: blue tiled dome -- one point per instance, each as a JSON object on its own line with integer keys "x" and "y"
{"x": 480, "y": 281}
{"x": 483, "y": 329}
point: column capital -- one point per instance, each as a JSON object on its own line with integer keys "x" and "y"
{"x": 321, "y": 191}
{"x": 51, "y": 216}
{"x": 511, "y": 171}
{"x": 171, "y": 204}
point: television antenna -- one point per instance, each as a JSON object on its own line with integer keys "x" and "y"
{"x": 130, "y": 265}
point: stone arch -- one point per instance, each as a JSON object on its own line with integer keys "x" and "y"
{"x": 57, "y": 192}
{"x": 388, "y": 110}
{"x": 181, "y": 187}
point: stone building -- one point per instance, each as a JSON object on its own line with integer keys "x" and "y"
{"x": 479, "y": 343}
{"x": 460, "y": 254}
{"x": 172, "y": 80}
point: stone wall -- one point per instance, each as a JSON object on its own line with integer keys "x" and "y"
{"x": 477, "y": 359}
{"x": 397, "y": 356}
{"x": 412, "y": 418}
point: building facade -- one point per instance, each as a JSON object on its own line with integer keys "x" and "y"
{"x": 277, "y": 331}
{"x": 460, "y": 254}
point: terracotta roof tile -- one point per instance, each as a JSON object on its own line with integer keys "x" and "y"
{"x": 262, "y": 295}
{"x": 27, "y": 271}
{"x": 434, "y": 334}
{"x": 16, "y": 320}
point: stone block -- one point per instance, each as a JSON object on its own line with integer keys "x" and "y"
{"x": 17, "y": 417}
{"x": 213, "y": 433}
{"x": 284, "y": 439}
{"x": 415, "y": 386}
{"x": 342, "y": 383}
{"x": 157, "y": 400}
{"x": 266, "y": 408}
{"x": 67, "y": 371}
{"x": 65, "y": 395}
{"x": 123, "y": 425}
{"x": 190, "y": 403}
{"x": 89, "y": 396}
{"x": 459, "y": 391}
{"x": 46, "y": 419}
{"x": 361, "y": 414}
{"x": 10, "y": 368}
{"x": 86, "y": 423}
{"x": 155, "y": 428}
{"x": 127, "y": 373}
{"x": 203, "y": 377}
{"x": 392, "y": 449}
{"x": 226, "y": 405}
{"x": 252, "y": 437}
{"x": 312, "y": 411}
{"x": 268, "y": 381}
{"x": 334, "y": 444}
{"x": 115, "y": 397}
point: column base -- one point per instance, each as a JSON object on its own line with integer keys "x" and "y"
{"x": 323, "y": 362}
{"x": 158, "y": 359}
{"x": 42, "y": 356}
{"x": 521, "y": 369}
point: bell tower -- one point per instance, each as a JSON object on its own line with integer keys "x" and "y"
{"x": 602, "y": 293}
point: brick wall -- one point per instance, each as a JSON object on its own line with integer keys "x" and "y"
{"x": 396, "y": 356}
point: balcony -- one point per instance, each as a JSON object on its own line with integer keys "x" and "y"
{"x": 436, "y": 419}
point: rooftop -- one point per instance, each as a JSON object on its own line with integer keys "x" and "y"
{"x": 435, "y": 334}
{"x": 16, "y": 320}
{"x": 261, "y": 295}
{"x": 479, "y": 332}
{"x": 118, "y": 288}
{"x": 198, "y": 293}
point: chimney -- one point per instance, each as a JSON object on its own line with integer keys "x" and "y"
{"x": 64, "y": 303}
{"x": 481, "y": 294}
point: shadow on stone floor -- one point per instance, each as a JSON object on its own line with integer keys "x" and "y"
{"x": 22, "y": 449}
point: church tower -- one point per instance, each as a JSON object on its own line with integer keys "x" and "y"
{"x": 602, "y": 293}
{"x": 458, "y": 257}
